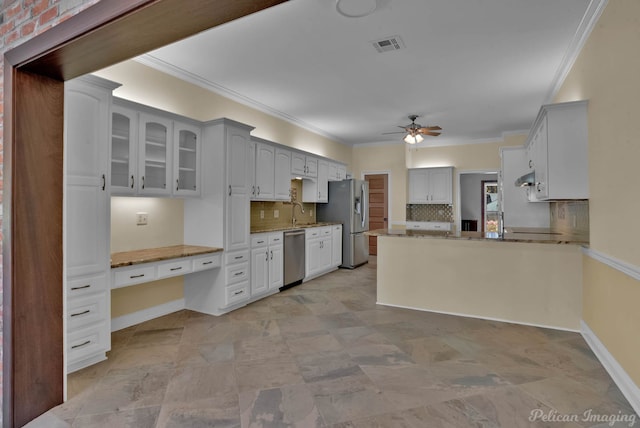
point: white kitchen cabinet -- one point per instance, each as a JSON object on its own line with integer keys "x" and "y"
{"x": 124, "y": 150}
{"x": 304, "y": 165}
{"x": 186, "y": 159}
{"x": 557, "y": 152}
{"x": 337, "y": 172}
{"x": 318, "y": 246}
{"x": 251, "y": 168}
{"x": 154, "y": 155}
{"x": 336, "y": 245}
{"x": 282, "y": 190}
{"x": 429, "y": 225}
{"x": 266, "y": 262}
{"x": 265, "y": 172}
{"x": 317, "y": 190}
{"x": 87, "y": 121}
{"x": 220, "y": 218}
{"x": 431, "y": 185}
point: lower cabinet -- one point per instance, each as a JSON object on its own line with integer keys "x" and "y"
{"x": 266, "y": 262}
{"x": 318, "y": 246}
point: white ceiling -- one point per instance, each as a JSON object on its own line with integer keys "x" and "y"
{"x": 477, "y": 68}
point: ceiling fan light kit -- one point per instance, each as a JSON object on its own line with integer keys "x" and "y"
{"x": 413, "y": 139}
{"x": 415, "y": 131}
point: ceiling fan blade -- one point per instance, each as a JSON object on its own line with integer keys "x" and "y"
{"x": 429, "y": 128}
{"x": 433, "y": 134}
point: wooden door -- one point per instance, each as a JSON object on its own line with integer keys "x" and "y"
{"x": 378, "y": 206}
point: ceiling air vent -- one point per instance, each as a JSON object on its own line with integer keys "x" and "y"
{"x": 388, "y": 44}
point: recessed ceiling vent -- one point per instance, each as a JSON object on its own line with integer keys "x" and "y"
{"x": 388, "y": 44}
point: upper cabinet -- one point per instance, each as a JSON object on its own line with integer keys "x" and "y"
{"x": 337, "y": 172}
{"x": 557, "y": 152}
{"x": 153, "y": 154}
{"x": 186, "y": 155}
{"x": 303, "y": 165}
{"x": 431, "y": 185}
{"x": 269, "y": 175}
{"x": 317, "y": 190}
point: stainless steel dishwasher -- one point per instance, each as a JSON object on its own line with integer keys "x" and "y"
{"x": 294, "y": 258}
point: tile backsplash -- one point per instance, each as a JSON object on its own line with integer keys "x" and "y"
{"x": 263, "y": 214}
{"x": 429, "y": 212}
{"x": 570, "y": 216}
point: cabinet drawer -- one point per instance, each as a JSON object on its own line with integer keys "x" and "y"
{"x": 259, "y": 240}
{"x": 83, "y": 311}
{"x": 428, "y": 225}
{"x": 237, "y": 273}
{"x": 206, "y": 262}
{"x": 236, "y": 293}
{"x": 276, "y": 238}
{"x": 86, "y": 285}
{"x": 237, "y": 257}
{"x": 178, "y": 267}
{"x": 312, "y": 233}
{"x": 87, "y": 342}
{"x": 131, "y": 276}
{"x": 325, "y": 231}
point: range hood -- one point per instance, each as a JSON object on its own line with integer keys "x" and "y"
{"x": 526, "y": 180}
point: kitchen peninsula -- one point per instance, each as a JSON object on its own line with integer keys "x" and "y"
{"x": 523, "y": 277}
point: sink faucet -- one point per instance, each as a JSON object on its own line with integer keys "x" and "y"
{"x": 293, "y": 211}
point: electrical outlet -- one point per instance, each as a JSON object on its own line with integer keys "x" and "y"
{"x": 310, "y": 213}
{"x": 261, "y": 214}
{"x": 276, "y": 213}
{"x": 142, "y": 218}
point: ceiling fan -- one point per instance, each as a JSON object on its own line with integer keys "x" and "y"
{"x": 415, "y": 131}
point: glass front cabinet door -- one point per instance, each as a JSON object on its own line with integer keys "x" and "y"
{"x": 155, "y": 156}
{"x": 186, "y": 153}
{"x": 124, "y": 135}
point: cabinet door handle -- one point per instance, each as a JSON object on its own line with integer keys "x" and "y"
{"x": 258, "y": 190}
{"x": 239, "y": 273}
{"x": 104, "y": 182}
{"x": 80, "y": 288}
{"x": 253, "y": 190}
{"x": 238, "y": 292}
{"x": 238, "y": 257}
{"x": 207, "y": 263}
{"x": 229, "y": 189}
{"x": 267, "y": 254}
{"x": 176, "y": 268}
{"x": 271, "y": 255}
{"x": 530, "y": 163}
{"x": 80, "y": 313}
{"x": 81, "y": 344}
{"x": 136, "y": 276}
{"x": 132, "y": 181}
{"x": 538, "y": 186}
{"x": 143, "y": 182}
{"x": 177, "y": 184}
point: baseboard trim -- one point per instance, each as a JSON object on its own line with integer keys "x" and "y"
{"x": 627, "y": 386}
{"x": 481, "y": 318}
{"x": 134, "y": 318}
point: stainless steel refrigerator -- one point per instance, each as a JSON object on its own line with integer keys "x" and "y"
{"x": 349, "y": 204}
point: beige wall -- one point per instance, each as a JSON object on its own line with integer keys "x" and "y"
{"x": 396, "y": 158}
{"x": 499, "y": 280}
{"x": 387, "y": 158}
{"x": 606, "y": 73}
{"x": 151, "y": 87}
{"x": 165, "y": 227}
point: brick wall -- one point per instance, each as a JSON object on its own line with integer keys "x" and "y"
{"x": 21, "y": 20}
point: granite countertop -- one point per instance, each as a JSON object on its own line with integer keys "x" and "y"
{"x": 530, "y": 235}
{"x": 128, "y": 258}
{"x": 285, "y": 228}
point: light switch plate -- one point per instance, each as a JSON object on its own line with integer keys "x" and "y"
{"x": 276, "y": 213}
{"x": 142, "y": 218}
{"x": 261, "y": 214}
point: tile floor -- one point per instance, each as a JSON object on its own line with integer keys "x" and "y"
{"x": 324, "y": 355}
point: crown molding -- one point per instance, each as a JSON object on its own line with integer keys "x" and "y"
{"x": 588, "y": 23}
{"x": 428, "y": 143}
{"x": 170, "y": 69}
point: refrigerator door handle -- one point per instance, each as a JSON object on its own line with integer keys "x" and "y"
{"x": 364, "y": 206}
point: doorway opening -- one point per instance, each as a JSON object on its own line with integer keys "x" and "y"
{"x": 378, "y": 205}
{"x": 472, "y": 200}
{"x": 490, "y": 208}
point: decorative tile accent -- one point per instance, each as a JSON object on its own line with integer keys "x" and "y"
{"x": 285, "y": 211}
{"x": 429, "y": 212}
{"x": 570, "y": 216}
